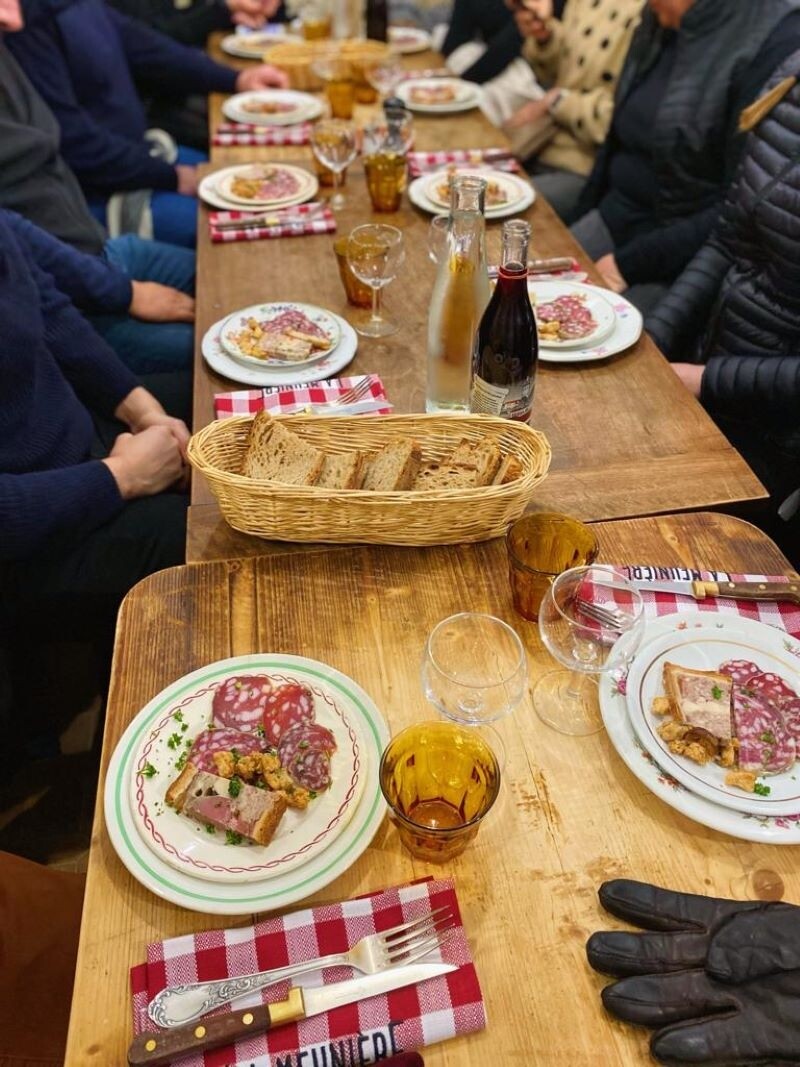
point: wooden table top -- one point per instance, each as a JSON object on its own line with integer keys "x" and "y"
{"x": 570, "y": 815}
{"x": 627, "y": 438}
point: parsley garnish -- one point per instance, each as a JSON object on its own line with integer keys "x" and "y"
{"x": 716, "y": 693}
{"x": 173, "y": 741}
{"x": 184, "y": 727}
{"x": 303, "y": 744}
{"x": 234, "y": 787}
{"x": 260, "y": 730}
{"x": 232, "y": 838}
{"x": 210, "y": 829}
{"x": 236, "y": 755}
{"x": 768, "y": 737}
{"x": 178, "y": 716}
{"x": 180, "y": 762}
{"x": 312, "y": 793}
{"x": 149, "y": 770}
{"x": 761, "y": 789}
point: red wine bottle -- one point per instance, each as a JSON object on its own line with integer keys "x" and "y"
{"x": 378, "y": 20}
{"x": 506, "y": 350}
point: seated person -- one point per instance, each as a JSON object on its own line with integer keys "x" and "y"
{"x": 193, "y": 23}
{"x": 487, "y": 21}
{"x": 732, "y": 318}
{"x": 655, "y": 190}
{"x": 84, "y": 57}
{"x": 578, "y": 58}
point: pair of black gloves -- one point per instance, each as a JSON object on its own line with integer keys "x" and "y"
{"x": 718, "y": 980}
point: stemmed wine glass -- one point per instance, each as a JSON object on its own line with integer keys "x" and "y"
{"x": 437, "y": 237}
{"x": 333, "y": 142}
{"x": 375, "y": 253}
{"x": 385, "y": 76}
{"x": 592, "y": 621}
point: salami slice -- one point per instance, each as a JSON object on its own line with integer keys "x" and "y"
{"x": 287, "y": 706}
{"x": 739, "y": 669}
{"x": 239, "y": 702}
{"x": 770, "y": 686}
{"x": 312, "y": 770}
{"x": 305, "y": 737}
{"x": 223, "y": 739}
{"x": 765, "y": 745}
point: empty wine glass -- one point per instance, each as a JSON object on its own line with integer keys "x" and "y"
{"x": 375, "y": 253}
{"x": 333, "y": 142}
{"x": 437, "y": 237}
{"x": 592, "y": 621}
{"x": 385, "y": 76}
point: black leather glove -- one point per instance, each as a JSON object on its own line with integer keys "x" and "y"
{"x": 732, "y": 940}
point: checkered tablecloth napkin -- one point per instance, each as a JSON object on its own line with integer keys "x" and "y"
{"x": 322, "y": 222}
{"x": 401, "y": 1021}
{"x": 420, "y": 163}
{"x": 784, "y": 615}
{"x": 233, "y": 134}
{"x": 288, "y": 400}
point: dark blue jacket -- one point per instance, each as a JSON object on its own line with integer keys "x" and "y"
{"x": 86, "y": 60}
{"x": 54, "y": 370}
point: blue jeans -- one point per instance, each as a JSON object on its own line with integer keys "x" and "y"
{"x": 150, "y": 347}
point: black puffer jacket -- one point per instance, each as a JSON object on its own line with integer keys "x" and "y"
{"x": 736, "y": 307}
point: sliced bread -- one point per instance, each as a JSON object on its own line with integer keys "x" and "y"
{"x": 484, "y": 457}
{"x": 394, "y": 468}
{"x": 276, "y": 454}
{"x": 436, "y": 476}
{"x": 342, "y": 472}
{"x": 510, "y": 469}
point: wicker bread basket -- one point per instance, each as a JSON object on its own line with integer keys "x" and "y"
{"x": 296, "y": 58}
{"x": 307, "y": 513}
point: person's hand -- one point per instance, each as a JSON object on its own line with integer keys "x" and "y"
{"x": 532, "y": 111}
{"x": 247, "y": 12}
{"x": 609, "y": 270}
{"x": 187, "y": 179}
{"x": 691, "y": 374}
{"x": 140, "y": 411}
{"x": 532, "y": 19}
{"x": 153, "y": 302}
{"x": 261, "y": 77}
{"x": 145, "y": 463}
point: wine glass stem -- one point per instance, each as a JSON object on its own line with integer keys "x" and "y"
{"x": 338, "y": 199}
{"x": 376, "y": 304}
{"x": 574, "y": 690}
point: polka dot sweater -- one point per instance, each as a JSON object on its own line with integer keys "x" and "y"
{"x": 584, "y": 57}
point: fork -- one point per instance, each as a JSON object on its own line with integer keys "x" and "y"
{"x": 607, "y": 617}
{"x": 403, "y": 944}
{"x": 353, "y": 394}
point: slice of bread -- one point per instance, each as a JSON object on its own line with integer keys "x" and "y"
{"x": 484, "y": 457}
{"x": 509, "y": 470}
{"x": 276, "y": 454}
{"x": 394, "y": 468}
{"x": 436, "y": 476}
{"x": 342, "y": 472}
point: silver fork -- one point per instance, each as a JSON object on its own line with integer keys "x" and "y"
{"x": 403, "y": 944}
{"x": 608, "y": 617}
{"x": 353, "y": 394}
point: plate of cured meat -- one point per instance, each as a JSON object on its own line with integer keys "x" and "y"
{"x": 439, "y": 96}
{"x": 280, "y": 335}
{"x": 571, "y": 315}
{"x": 272, "y": 107}
{"x": 248, "y": 784}
{"x": 258, "y": 186}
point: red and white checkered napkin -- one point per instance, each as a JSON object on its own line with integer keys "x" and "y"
{"x": 406, "y": 1019}
{"x": 320, "y": 222}
{"x": 233, "y": 134}
{"x": 426, "y": 162}
{"x": 290, "y": 399}
{"x": 784, "y": 616}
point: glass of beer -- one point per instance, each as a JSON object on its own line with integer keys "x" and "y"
{"x": 340, "y": 87}
{"x": 316, "y": 20}
{"x": 386, "y": 179}
{"x": 540, "y": 547}
{"x": 440, "y": 781}
{"x": 358, "y": 293}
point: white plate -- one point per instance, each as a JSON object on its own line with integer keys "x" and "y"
{"x": 253, "y": 44}
{"x": 304, "y": 107}
{"x": 405, "y": 40}
{"x": 763, "y": 829}
{"x": 264, "y": 312}
{"x": 418, "y": 197}
{"x": 208, "y": 192}
{"x": 596, "y": 301}
{"x": 703, "y": 644}
{"x": 301, "y": 835}
{"x": 305, "y": 185}
{"x": 278, "y": 891}
{"x": 627, "y": 331}
{"x": 515, "y": 188}
{"x": 327, "y": 367}
{"x": 468, "y": 95}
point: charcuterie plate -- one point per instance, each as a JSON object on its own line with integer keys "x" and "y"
{"x": 177, "y": 856}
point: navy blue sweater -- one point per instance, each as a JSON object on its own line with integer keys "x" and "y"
{"x": 54, "y": 369}
{"x": 86, "y": 60}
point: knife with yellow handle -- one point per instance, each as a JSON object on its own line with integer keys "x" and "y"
{"x": 156, "y": 1049}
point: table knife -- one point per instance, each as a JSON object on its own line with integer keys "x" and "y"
{"x": 358, "y": 407}
{"x": 157, "y": 1049}
{"x": 700, "y": 590}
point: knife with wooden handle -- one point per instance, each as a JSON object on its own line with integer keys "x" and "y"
{"x": 774, "y": 592}
{"x": 157, "y": 1049}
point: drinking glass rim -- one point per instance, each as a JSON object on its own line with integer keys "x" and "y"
{"x": 622, "y": 582}
{"x": 521, "y": 662}
{"x": 396, "y": 234}
{"x": 558, "y": 519}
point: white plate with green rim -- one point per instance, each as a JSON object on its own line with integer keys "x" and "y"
{"x": 280, "y": 889}
{"x": 203, "y": 851}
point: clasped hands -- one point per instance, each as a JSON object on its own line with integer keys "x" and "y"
{"x": 717, "y": 980}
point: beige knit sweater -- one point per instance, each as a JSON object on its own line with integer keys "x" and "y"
{"x": 584, "y": 57}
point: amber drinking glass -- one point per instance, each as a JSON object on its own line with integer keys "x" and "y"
{"x": 316, "y": 20}
{"x": 440, "y": 780}
{"x": 386, "y": 179}
{"x": 540, "y": 547}
{"x": 358, "y": 293}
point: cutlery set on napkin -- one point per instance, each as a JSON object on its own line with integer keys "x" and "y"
{"x": 226, "y": 226}
{"x": 359, "y": 395}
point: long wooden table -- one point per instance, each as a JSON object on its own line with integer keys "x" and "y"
{"x": 570, "y": 816}
{"x": 627, "y": 438}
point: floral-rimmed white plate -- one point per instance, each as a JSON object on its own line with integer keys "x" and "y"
{"x": 419, "y": 197}
{"x": 595, "y": 300}
{"x": 298, "y": 183}
{"x": 294, "y": 107}
{"x": 466, "y": 95}
{"x": 202, "y": 850}
{"x": 627, "y": 331}
{"x": 209, "y": 192}
{"x": 706, "y": 648}
{"x": 436, "y": 186}
{"x": 236, "y": 322}
{"x": 253, "y": 43}
{"x": 283, "y": 889}
{"x": 406, "y": 40}
{"x": 764, "y": 829}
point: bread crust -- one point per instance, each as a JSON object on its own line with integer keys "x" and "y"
{"x": 176, "y": 794}
{"x": 265, "y": 828}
